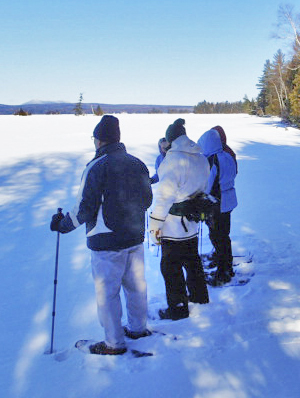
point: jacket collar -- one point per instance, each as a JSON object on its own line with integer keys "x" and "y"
{"x": 106, "y": 149}
{"x": 184, "y": 144}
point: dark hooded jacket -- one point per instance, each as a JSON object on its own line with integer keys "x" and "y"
{"x": 114, "y": 194}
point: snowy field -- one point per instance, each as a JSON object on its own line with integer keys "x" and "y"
{"x": 244, "y": 344}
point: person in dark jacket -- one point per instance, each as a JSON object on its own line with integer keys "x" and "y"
{"x": 114, "y": 195}
{"x": 162, "y": 147}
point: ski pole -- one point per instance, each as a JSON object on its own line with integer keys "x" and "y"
{"x": 147, "y": 222}
{"x": 59, "y": 210}
{"x": 201, "y": 238}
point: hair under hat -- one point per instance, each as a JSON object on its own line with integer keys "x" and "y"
{"x": 107, "y": 130}
{"x": 175, "y": 130}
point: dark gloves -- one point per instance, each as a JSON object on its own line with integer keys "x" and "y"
{"x": 56, "y": 219}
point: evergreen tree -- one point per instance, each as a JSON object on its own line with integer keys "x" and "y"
{"x": 98, "y": 111}
{"x": 273, "y": 96}
{"x": 278, "y": 79}
{"x": 21, "y": 112}
{"x": 295, "y": 99}
{"x": 263, "y": 85}
{"x": 78, "y": 108}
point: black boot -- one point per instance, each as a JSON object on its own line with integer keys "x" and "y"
{"x": 220, "y": 278}
{"x": 179, "y": 312}
{"x": 195, "y": 300}
{"x": 231, "y": 271}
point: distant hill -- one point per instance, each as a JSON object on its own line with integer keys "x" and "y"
{"x": 37, "y": 107}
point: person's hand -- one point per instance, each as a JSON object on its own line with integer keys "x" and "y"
{"x": 56, "y": 219}
{"x": 155, "y": 226}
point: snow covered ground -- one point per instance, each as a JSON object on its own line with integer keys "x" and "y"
{"x": 244, "y": 344}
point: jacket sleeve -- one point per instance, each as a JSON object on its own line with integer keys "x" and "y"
{"x": 148, "y": 195}
{"x": 211, "y": 179}
{"x": 154, "y": 179}
{"x": 89, "y": 199}
{"x": 167, "y": 188}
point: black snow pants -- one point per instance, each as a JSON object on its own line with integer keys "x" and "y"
{"x": 219, "y": 231}
{"x": 175, "y": 256}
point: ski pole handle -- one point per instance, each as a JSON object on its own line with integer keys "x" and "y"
{"x": 59, "y": 211}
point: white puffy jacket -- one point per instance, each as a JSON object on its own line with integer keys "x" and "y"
{"x": 183, "y": 172}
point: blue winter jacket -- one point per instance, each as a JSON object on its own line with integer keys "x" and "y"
{"x": 114, "y": 194}
{"x": 211, "y": 145}
{"x": 159, "y": 159}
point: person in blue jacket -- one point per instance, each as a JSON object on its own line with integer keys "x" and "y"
{"x": 113, "y": 197}
{"x": 221, "y": 185}
{"x": 163, "y": 146}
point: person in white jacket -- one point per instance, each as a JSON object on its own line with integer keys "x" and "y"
{"x": 183, "y": 173}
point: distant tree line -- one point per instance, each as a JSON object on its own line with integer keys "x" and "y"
{"x": 169, "y": 110}
{"x": 279, "y": 83}
{"x": 225, "y": 107}
{"x": 21, "y": 112}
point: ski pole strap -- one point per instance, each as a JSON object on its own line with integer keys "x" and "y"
{"x": 183, "y": 224}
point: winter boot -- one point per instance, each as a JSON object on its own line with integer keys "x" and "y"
{"x": 212, "y": 264}
{"x": 212, "y": 255}
{"x": 193, "y": 299}
{"x": 220, "y": 278}
{"x": 102, "y": 349}
{"x": 136, "y": 335}
{"x": 179, "y": 312}
{"x": 231, "y": 271}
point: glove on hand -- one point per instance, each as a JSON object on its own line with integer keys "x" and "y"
{"x": 155, "y": 226}
{"x": 56, "y": 219}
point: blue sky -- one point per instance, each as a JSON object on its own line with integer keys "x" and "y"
{"x": 169, "y": 52}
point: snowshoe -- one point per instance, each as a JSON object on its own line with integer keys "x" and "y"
{"x": 102, "y": 349}
{"x": 219, "y": 279}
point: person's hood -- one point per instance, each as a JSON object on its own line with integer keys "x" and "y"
{"x": 184, "y": 144}
{"x": 159, "y": 148}
{"x": 210, "y": 143}
{"x": 221, "y": 131}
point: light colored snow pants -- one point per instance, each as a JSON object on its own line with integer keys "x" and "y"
{"x": 111, "y": 270}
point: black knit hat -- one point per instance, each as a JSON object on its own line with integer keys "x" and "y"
{"x": 107, "y": 130}
{"x": 175, "y": 130}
